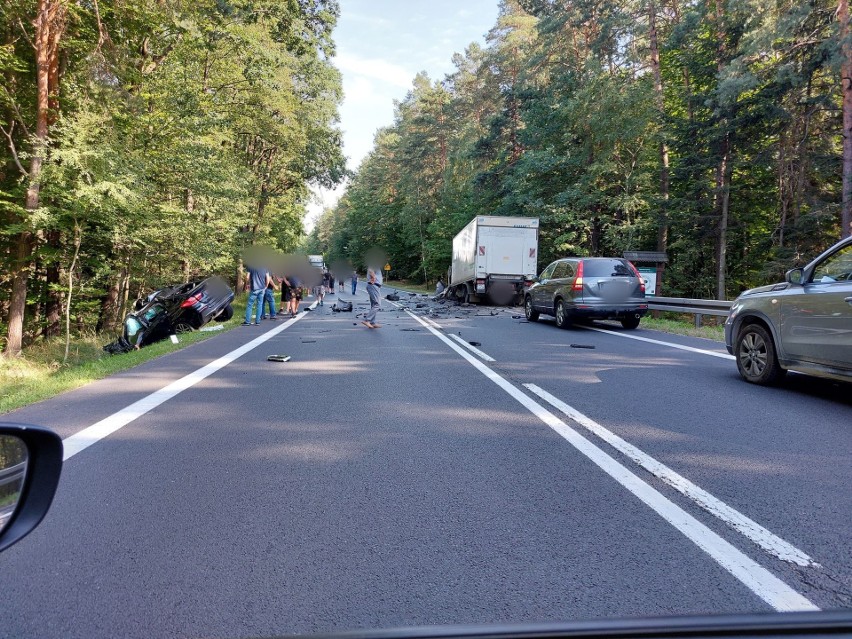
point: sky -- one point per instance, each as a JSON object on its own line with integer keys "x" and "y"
{"x": 381, "y": 46}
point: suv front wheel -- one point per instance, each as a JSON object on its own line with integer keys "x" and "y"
{"x": 529, "y": 311}
{"x": 756, "y": 357}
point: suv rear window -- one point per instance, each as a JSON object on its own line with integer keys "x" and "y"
{"x": 606, "y": 268}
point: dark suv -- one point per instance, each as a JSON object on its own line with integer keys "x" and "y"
{"x": 802, "y": 324}
{"x": 576, "y": 288}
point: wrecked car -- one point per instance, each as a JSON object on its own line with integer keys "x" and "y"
{"x": 174, "y": 309}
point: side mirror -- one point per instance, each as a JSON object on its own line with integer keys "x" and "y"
{"x": 795, "y": 275}
{"x": 30, "y": 465}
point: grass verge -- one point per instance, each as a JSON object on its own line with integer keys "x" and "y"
{"x": 39, "y": 373}
{"x": 403, "y": 285}
{"x": 679, "y": 324}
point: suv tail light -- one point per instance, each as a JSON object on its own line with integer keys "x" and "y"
{"x": 191, "y": 301}
{"x": 578, "y": 280}
{"x": 639, "y": 275}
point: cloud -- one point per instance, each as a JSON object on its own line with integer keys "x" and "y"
{"x": 375, "y": 68}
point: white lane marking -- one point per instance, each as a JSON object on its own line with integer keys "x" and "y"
{"x": 81, "y": 440}
{"x": 767, "y": 540}
{"x": 473, "y": 349}
{"x": 433, "y": 323}
{"x": 660, "y": 342}
{"x": 750, "y": 573}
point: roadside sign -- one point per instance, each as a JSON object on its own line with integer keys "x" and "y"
{"x": 387, "y": 266}
{"x": 650, "y": 276}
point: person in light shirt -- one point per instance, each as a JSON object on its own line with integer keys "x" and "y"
{"x": 374, "y": 285}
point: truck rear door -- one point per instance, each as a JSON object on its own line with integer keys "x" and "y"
{"x": 503, "y": 250}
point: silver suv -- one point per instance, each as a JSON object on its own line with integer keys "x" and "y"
{"x": 588, "y": 288}
{"x": 803, "y": 324}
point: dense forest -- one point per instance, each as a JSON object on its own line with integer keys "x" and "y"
{"x": 152, "y": 141}
{"x": 709, "y": 129}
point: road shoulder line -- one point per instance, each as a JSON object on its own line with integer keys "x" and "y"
{"x": 639, "y": 338}
{"x": 81, "y": 440}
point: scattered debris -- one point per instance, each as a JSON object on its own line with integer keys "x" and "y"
{"x": 413, "y": 330}
{"x": 210, "y": 327}
{"x": 517, "y": 316}
{"x": 309, "y": 341}
{"x": 278, "y": 358}
{"x": 393, "y": 297}
{"x": 582, "y": 346}
{"x": 475, "y": 343}
{"x": 342, "y": 306}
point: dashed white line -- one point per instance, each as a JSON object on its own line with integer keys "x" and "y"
{"x": 750, "y": 573}
{"x": 764, "y": 538}
{"x": 660, "y": 342}
{"x": 81, "y": 440}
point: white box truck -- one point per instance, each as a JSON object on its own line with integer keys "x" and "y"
{"x": 494, "y": 257}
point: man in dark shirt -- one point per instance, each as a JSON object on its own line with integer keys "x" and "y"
{"x": 257, "y": 279}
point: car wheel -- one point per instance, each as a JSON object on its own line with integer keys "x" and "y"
{"x": 529, "y": 311}
{"x": 756, "y": 358}
{"x": 225, "y": 314}
{"x": 563, "y": 320}
{"x": 183, "y": 327}
{"x": 630, "y": 322}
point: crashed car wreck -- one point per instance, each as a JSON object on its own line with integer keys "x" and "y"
{"x": 174, "y": 309}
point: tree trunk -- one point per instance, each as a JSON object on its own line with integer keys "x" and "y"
{"x": 663, "y": 224}
{"x": 846, "y": 84}
{"x": 109, "y": 305}
{"x": 54, "y": 296}
{"x": 49, "y": 26}
{"x": 723, "y": 169}
{"x": 723, "y": 192}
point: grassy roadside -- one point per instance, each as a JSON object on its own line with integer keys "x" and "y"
{"x": 680, "y": 324}
{"x": 39, "y": 373}
{"x": 403, "y": 285}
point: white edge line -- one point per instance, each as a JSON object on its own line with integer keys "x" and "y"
{"x": 473, "y": 349}
{"x": 750, "y": 573}
{"x": 764, "y": 538}
{"x": 81, "y": 440}
{"x": 661, "y": 343}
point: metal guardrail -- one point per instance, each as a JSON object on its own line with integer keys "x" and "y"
{"x": 686, "y": 305}
{"x": 12, "y": 473}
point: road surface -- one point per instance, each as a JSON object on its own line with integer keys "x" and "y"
{"x": 396, "y": 477}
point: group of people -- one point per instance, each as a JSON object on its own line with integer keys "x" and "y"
{"x": 262, "y": 284}
{"x": 327, "y": 285}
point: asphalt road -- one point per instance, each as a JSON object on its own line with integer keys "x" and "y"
{"x": 392, "y": 477}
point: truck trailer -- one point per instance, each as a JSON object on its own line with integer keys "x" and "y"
{"x": 494, "y": 257}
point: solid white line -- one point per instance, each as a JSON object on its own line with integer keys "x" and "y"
{"x": 770, "y": 542}
{"x": 660, "y": 342}
{"x": 81, "y": 440}
{"x": 750, "y": 573}
{"x": 473, "y": 348}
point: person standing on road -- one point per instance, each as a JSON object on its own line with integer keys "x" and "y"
{"x": 374, "y": 285}
{"x": 257, "y": 279}
{"x": 354, "y": 281}
{"x": 269, "y": 299}
{"x": 295, "y": 295}
{"x": 285, "y": 294}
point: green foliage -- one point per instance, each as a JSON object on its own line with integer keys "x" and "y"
{"x": 182, "y": 132}
{"x": 559, "y": 118}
